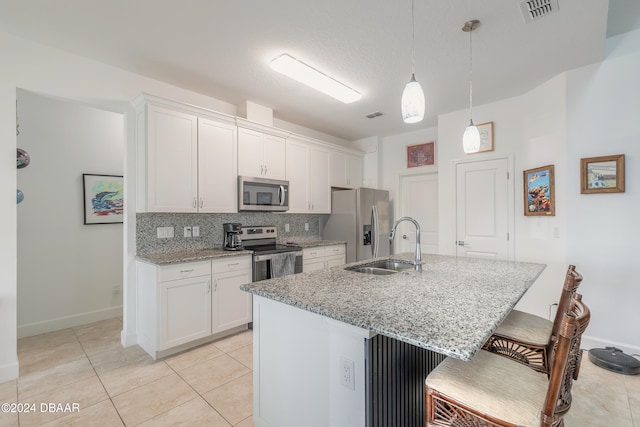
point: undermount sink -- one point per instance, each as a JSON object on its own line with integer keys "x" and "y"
{"x": 383, "y": 267}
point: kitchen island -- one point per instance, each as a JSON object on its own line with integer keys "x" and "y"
{"x": 313, "y": 332}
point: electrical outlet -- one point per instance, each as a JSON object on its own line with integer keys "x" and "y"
{"x": 165, "y": 232}
{"x": 347, "y": 372}
{"x": 286, "y": 228}
{"x": 116, "y": 290}
{"x": 195, "y": 231}
{"x": 187, "y": 232}
{"x": 306, "y": 226}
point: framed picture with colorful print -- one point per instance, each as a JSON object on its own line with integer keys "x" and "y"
{"x": 539, "y": 192}
{"x": 421, "y": 155}
{"x": 103, "y": 199}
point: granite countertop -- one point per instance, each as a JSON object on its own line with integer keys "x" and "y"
{"x": 313, "y": 243}
{"x": 204, "y": 254}
{"x": 188, "y": 256}
{"x": 451, "y": 307}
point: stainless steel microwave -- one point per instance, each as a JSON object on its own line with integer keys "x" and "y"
{"x": 262, "y": 194}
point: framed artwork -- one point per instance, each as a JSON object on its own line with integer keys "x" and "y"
{"x": 264, "y": 198}
{"x": 603, "y": 174}
{"x": 486, "y": 136}
{"x": 103, "y": 199}
{"x": 421, "y": 154}
{"x": 539, "y": 192}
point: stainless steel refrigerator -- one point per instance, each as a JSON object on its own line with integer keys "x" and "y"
{"x": 362, "y": 218}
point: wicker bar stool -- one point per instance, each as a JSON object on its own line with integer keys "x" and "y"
{"x": 527, "y": 338}
{"x": 492, "y": 391}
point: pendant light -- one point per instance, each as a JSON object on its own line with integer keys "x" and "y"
{"x": 412, "y": 97}
{"x": 471, "y": 137}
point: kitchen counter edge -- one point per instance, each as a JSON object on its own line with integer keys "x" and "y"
{"x": 188, "y": 256}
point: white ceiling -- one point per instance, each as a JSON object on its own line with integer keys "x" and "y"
{"x": 223, "y": 48}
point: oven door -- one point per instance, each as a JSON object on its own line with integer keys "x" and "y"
{"x": 261, "y": 194}
{"x": 262, "y": 266}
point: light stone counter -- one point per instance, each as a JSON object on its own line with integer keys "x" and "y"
{"x": 188, "y": 256}
{"x": 313, "y": 243}
{"x": 452, "y": 307}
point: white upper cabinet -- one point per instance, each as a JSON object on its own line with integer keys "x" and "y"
{"x": 319, "y": 187}
{"x": 298, "y": 176}
{"x": 187, "y": 161}
{"x": 308, "y": 175}
{"x": 261, "y": 154}
{"x": 217, "y": 170}
{"x": 172, "y": 159}
{"x": 345, "y": 170}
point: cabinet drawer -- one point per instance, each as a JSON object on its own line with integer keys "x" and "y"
{"x": 334, "y": 250}
{"x": 185, "y": 270}
{"x": 312, "y": 253}
{"x": 230, "y": 263}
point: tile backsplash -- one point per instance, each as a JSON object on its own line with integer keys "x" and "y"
{"x": 147, "y": 240}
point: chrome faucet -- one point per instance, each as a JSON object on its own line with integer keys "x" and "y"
{"x": 418, "y": 256}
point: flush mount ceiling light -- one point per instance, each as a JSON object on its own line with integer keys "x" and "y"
{"x": 298, "y": 70}
{"x": 471, "y": 137}
{"x": 412, "y": 103}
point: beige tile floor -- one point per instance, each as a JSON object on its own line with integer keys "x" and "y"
{"x": 114, "y": 386}
{"x": 208, "y": 386}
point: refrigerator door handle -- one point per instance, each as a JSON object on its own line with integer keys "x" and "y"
{"x": 375, "y": 231}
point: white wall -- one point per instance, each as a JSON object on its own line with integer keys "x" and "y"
{"x": 603, "y": 230}
{"x": 370, "y": 172}
{"x": 590, "y": 111}
{"x": 66, "y": 270}
{"x": 393, "y": 160}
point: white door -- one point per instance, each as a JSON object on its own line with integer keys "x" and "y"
{"x": 484, "y": 212}
{"x": 418, "y": 200}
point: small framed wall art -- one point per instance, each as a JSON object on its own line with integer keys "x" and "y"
{"x": 539, "y": 192}
{"x": 604, "y": 174}
{"x": 486, "y": 136}
{"x": 103, "y": 199}
{"x": 421, "y": 154}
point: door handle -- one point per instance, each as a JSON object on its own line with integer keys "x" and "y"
{"x": 404, "y": 236}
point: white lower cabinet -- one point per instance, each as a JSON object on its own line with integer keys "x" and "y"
{"x": 231, "y": 306}
{"x": 185, "y": 311}
{"x": 322, "y": 257}
{"x": 186, "y": 304}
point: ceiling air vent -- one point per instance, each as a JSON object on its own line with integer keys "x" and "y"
{"x": 373, "y": 115}
{"x": 532, "y": 10}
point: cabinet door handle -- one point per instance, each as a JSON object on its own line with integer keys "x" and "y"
{"x": 201, "y": 202}
{"x": 195, "y": 202}
{"x": 186, "y": 271}
{"x": 261, "y": 169}
{"x": 209, "y": 287}
{"x": 265, "y": 169}
{"x": 215, "y": 286}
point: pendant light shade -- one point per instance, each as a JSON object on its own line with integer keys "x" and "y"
{"x": 412, "y": 101}
{"x": 412, "y": 104}
{"x": 471, "y": 136}
{"x": 471, "y": 139}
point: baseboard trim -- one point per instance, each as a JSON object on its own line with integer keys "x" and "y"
{"x": 589, "y": 342}
{"x": 68, "y": 321}
{"x": 9, "y": 372}
{"x": 127, "y": 340}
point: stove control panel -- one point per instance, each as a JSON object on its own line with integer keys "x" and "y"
{"x": 259, "y": 232}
